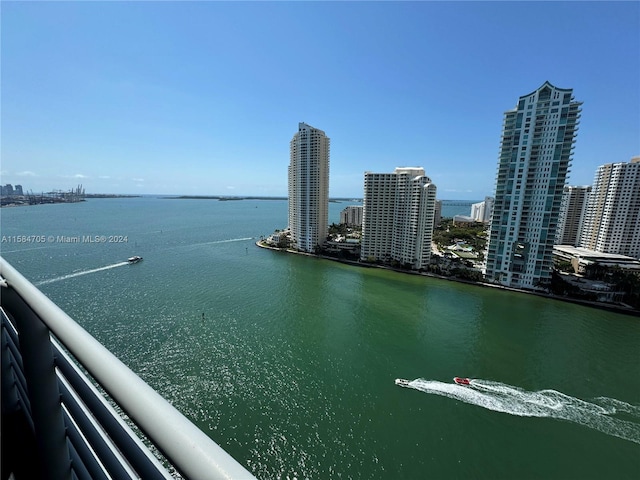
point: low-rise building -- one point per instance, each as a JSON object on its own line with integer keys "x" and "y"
{"x": 279, "y": 238}
{"x": 458, "y": 219}
{"x": 582, "y": 258}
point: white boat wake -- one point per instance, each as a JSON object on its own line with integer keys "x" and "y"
{"x": 601, "y": 414}
{"x": 227, "y": 241}
{"x": 79, "y": 274}
{"x": 214, "y": 242}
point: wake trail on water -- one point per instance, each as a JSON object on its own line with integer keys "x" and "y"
{"x": 26, "y": 249}
{"x": 214, "y": 242}
{"x": 79, "y": 274}
{"x": 226, "y": 241}
{"x": 598, "y": 414}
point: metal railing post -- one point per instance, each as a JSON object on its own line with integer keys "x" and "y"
{"x": 10, "y": 401}
{"x": 42, "y": 384}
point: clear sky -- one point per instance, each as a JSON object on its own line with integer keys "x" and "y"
{"x": 204, "y": 97}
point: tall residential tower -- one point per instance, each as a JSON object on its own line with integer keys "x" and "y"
{"x": 308, "y": 188}
{"x": 398, "y": 217}
{"x": 612, "y": 219}
{"x": 572, "y": 210}
{"x": 538, "y": 137}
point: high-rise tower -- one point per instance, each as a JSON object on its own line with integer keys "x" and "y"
{"x": 398, "y": 217}
{"x": 612, "y": 219}
{"x": 309, "y": 188}
{"x": 481, "y": 212}
{"x": 572, "y": 211}
{"x": 538, "y": 137}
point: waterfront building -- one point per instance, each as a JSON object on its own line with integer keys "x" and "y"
{"x": 279, "y": 238}
{"x": 7, "y": 190}
{"x": 582, "y": 258}
{"x": 352, "y": 215}
{"x": 309, "y": 188}
{"x": 612, "y": 219}
{"x": 572, "y": 211}
{"x": 481, "y": 212}
{"x": 538, "y": 137}
{"x": 18, "y": 190}
{"x": 398, "y": 217}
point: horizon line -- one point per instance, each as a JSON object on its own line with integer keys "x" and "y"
{"x": 248, "y": 197}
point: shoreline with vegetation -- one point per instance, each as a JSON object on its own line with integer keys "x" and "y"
{"x": 587, "y": 303}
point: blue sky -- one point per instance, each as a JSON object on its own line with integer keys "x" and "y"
{"x": 204, "y": 97}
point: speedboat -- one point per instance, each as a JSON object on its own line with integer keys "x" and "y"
{"x": 135, "y": 259}
{"x": 402, "y": 382}
{"x": 462, "y": 381}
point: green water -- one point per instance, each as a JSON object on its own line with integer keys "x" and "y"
{"x": 292, "y": 367}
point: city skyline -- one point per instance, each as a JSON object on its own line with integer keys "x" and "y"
{"x": 160, "y": 104}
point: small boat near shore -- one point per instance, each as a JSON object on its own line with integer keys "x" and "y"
{"x": 402, "y": 382}
{"x": 462, "y": 381}
{"x": 133, "y": 260}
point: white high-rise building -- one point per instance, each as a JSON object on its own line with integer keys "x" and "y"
{"x": 352, "y": 215}
{"x": 572, "y": 211}
{"x": 481, "y": 212}
{"x": 309, "y": 188}
{"x": 612, "y": 219}
{"x": 538, "y": 137}
{"x": 398, "y": 217}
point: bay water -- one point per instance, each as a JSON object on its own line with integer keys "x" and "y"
{"x": 289, "y": 361}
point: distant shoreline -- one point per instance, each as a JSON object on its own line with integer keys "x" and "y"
{"x": 110, "y": 195}
{"x": 586, "y": 303}
{"x": 30, "y": 200}
{"x": 219, "y": 197}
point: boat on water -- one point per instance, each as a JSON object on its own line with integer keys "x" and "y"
{"x": 462, "y": 381}
{"x": 402, "y": 382}
{"x": 135, "y": 259}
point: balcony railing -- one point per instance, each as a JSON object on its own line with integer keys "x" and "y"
{"x": 75, "y": 430}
